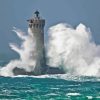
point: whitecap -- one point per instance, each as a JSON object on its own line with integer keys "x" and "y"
{"x": 73, "y": 94}
{"x": 89, "y": 97}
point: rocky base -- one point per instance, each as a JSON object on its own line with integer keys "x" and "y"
{"x": 50, "y": 70}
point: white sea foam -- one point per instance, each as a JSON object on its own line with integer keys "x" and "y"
{"x": 73, "y": 94}
{"x": 73, "y": 50}
{"x": 90, "y": 97}
{"x": 26, "y": 51}
{"x": 51, "y": 94}
{"x": 98, "y": 97}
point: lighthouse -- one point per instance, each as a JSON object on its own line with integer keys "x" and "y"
{"x": 36, "y": 27}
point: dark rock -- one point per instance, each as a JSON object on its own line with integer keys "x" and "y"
{"x": 49, "y": 70}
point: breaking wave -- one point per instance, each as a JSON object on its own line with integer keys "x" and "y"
{"x": 26, "y": 51}
{"x": 71, "y": 49}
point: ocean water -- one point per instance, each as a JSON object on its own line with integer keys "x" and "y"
{"x": 65, "y": 49}
{"x": 49, "y": 87}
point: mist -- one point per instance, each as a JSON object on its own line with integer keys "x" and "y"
{"x": 26, "y": 51}
{"x": 73, "y": 50}
{"x": 68, "y": 48}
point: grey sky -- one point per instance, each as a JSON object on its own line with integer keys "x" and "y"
{"x": 16, "y": 12}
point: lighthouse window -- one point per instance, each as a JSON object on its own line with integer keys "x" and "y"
{"x": 36, "y": 25}
{"x": 40, "y": 26}
{"x": 30, "y": 25}
{"x": 31, "y": 21}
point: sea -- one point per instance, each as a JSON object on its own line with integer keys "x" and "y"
{"x": 50, "y": 87}
{"x": 70, "y": 49}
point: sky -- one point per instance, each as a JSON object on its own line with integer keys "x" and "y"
{"x": 14, "y": 13}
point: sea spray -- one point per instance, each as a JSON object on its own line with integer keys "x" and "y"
{"x": 26, "y": 51}
{"x": 73, "y": 49}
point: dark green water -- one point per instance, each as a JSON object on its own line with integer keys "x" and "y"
{"x": 49, "y": 88}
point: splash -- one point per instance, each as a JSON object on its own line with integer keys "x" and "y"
{"x": 73, "y": 50}
{"x": 26, "y": 51}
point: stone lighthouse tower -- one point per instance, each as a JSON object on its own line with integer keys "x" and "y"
{"x": 36, "y": 26}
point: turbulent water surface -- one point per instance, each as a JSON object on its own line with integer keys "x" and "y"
{"x": 49, "y": 87}
{"x": 73, "y": 50}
